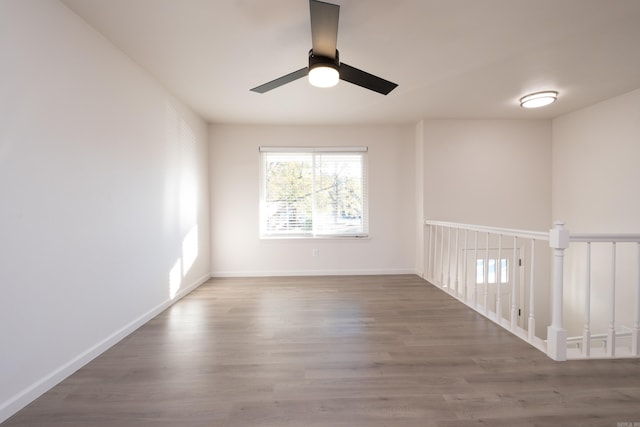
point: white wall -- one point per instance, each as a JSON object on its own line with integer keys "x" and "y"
{"x": 596, "y": 177}
{"x": 103, "y": 192}
{"x": 488, "y": 172}
{"x": 495, "y": 173}
{"x": 237, "y": 249}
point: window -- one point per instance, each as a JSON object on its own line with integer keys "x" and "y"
{"x": 313, "y": 192}
{"x": 491, "y": 272}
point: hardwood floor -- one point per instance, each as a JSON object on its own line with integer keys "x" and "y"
{"x": 333, "y": 351}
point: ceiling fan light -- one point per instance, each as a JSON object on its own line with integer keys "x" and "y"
{"x": 323, "y": 75}
{"x": 538, "y": 99}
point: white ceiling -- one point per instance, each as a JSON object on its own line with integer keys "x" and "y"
{"x": 451, "y": 58}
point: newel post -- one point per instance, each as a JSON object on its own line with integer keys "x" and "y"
{"x": 556, "y": 334}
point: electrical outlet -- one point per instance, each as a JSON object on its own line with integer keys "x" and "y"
{"x": 316, "y": 252}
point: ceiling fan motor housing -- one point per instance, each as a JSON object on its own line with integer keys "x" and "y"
{"x": 323, "y": 61}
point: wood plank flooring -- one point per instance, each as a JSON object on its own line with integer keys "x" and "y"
{"x": 333, "y": 351}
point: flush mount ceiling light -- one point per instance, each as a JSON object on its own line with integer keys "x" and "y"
{"x": 538, "y": 99}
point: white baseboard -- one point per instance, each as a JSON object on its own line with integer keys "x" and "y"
{"x": 35, "y": 390}
{"x": 282, "y": 273}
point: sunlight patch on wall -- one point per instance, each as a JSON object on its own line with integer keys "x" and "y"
{"x": 181, "y": 195}
{"x": 175, "y": 279}
{"x": 182, "y": 266}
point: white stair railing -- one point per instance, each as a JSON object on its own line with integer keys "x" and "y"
{"x": 614, "y": 333}
{"x": 480, "y": 266}
{"x": 476, "y": 285}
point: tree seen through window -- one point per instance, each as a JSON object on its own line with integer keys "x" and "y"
{"x": 313, "y": 193}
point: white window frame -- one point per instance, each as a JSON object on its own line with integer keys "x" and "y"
{"x": 313, "y": 234}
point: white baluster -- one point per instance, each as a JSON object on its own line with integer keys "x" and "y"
{"x": 449, "y": 259}
{"x": 611, "y": 333}
{"x": 428, "y": 266}
{"x": 514, "y": 283}
{"x": 635, "y": 340}
{"x": 441, "y": 256}
{"x": 466, "y": 266}
{"x": 486, "y": 276}
{"x": 435, "y": 254}
{"x": 499, "y": 281}
{"x": 532, "y": 319}
{"x": 556, "y": 334}
{"x": 475, "y": 270}
{"x": 586, "y": 334}
{"x": 456, "y": 284}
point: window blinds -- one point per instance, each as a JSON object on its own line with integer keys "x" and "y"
{"x": 313, "y": 192}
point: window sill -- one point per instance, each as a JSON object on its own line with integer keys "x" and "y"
{"x": 358, "y": 237}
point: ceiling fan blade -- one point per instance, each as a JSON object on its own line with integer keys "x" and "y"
{"x": 365, "y": 80}
{"x": 324, "y": 28}
{"x": 281, "y": 80}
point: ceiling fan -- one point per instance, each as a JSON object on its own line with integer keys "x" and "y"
{"x": 325, "y": 68}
